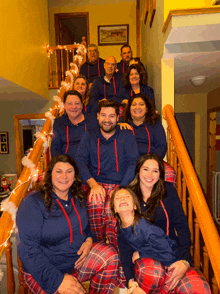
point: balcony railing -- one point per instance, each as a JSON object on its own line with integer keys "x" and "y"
{"x": 61, "y": 60}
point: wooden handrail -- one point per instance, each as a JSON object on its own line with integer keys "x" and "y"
{"x": 189, "y": 11}
{"x": 60, "y": 61}
{"x": 203, "y": 215}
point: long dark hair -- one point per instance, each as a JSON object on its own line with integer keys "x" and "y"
{"x": 137, "y": 212}
{"x": 158, "y": 192}
{"x": 140, "y": 70}
{"x": 151, "y": 116}
{"x": 46, "y": 187}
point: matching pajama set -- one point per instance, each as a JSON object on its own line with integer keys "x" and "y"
{"x": 48, "y": 243}
{"x": 111, "y": 163}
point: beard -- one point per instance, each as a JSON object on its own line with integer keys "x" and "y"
{"x": 107, "y": 129}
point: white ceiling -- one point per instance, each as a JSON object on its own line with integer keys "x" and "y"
{"x": 196, "y": 50}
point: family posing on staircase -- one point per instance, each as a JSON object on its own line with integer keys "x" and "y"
{"x": 107, "y": 209}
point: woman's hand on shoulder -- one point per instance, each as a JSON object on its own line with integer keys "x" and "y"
{"x": 84, "y": 251}
{"x": 179, "y": 269}
{"x": 135, "y": 256}
{"x": 124, "y": 126}
{"x": 70, "y": 285}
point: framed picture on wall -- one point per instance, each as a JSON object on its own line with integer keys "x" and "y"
{"x": 113, "y": 35}
{"x": 4, "y": 146}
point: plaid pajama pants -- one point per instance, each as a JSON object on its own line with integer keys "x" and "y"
{"x": 170, "y": 175}
{"x": 152, "y": 277}
{"x": 99, "y": 216}
{"x": 101, "y": 267}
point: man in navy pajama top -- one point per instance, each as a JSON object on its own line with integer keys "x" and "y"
{"x": 106, "y": 158}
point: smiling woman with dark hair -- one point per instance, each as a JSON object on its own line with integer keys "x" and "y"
{"x": 135, "y": 82}
{"x": 149, "y": 133}
{"x": 160, "y": 203}
{"x": 55, "y": 243}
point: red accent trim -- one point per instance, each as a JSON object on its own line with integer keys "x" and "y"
{"x": 131, "y": 92}
{"x": 147, "y": 134}
{"x": 85, "y": 108}
{"x": 114, "y": 85}
{"x": 167, "y": 217}
{"x": 67, "y": 137}
{"x": 104, "y": 92}
{"x": 98, "y": 69}
{"x": 116, "y": 156}
{"x": 123, "y": 67}
{"x": 68, "y": 220}
{"x": 98, "y": 158}
{"x": 80, "y": 223}
{"x": 148, "y": 139}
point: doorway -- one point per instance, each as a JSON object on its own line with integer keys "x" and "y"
{"x": 71, "y": 27}
{"x": 22, "y": 122}
{"x": 213, "y": 162}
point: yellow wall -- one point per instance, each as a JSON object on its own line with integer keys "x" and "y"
{"x": 152, "y": 49}
{"x": 120, "y": 13}
{"x": 170, "y": 5}
{"x": 197, "y": 103}
{"x": 24, "y": 35}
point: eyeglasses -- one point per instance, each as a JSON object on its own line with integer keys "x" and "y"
{"x": 110, "y": 64}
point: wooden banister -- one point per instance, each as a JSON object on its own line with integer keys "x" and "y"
{"x": 202, "y": 212}
{"x": 59, "y": 61}
{"x": 6, "y": 223}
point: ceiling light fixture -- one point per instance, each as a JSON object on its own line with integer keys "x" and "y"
{"x": 198, "y": 81}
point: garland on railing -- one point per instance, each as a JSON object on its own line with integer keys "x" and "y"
{"x": 8, "y": 205}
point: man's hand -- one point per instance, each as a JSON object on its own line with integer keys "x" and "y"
{"x": 97, "y": 193}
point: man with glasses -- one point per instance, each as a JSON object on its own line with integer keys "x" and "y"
{"x": 94, "y": 66}
{"x": 110, "y": 86}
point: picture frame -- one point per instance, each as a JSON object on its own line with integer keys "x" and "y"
{"x": 4, "y": 146}
{"x": 113, "y": 34}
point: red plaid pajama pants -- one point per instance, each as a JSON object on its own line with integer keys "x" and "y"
{"x": 101, "y": 221}
{"x": 152, "y": 277}
{"x": 170, "y": 175}
{"x": 101, "y": 267}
